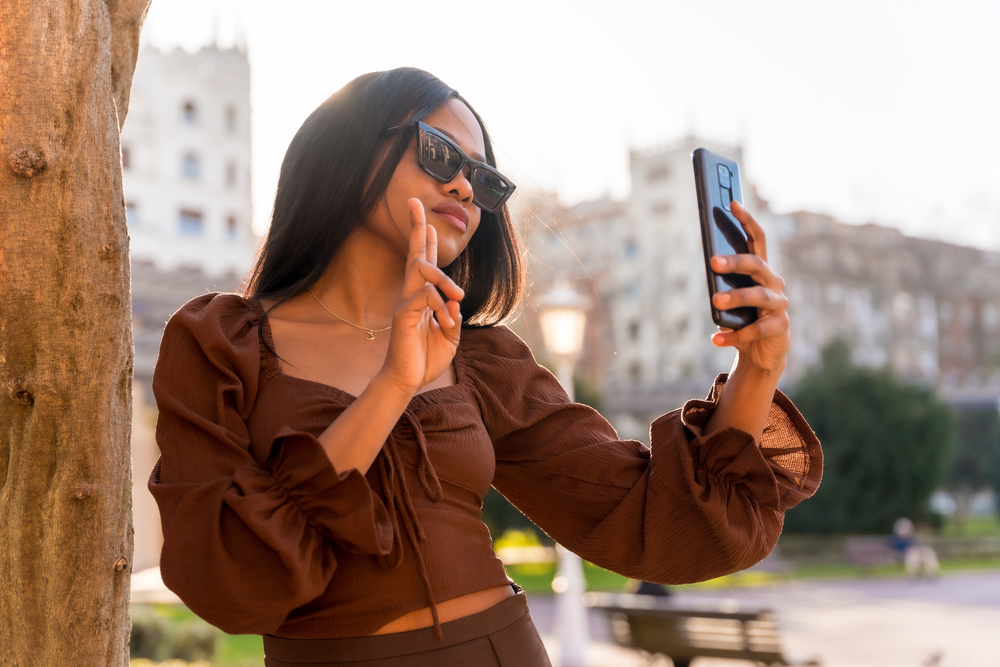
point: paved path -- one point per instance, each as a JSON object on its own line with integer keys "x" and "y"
{"x": 952, "y": 622}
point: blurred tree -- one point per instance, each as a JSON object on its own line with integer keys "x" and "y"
{"x": 885, "y": 445}
{"x": 588, "y": 394}
{"x": 974, "y": 458}
{"x": 65, "y": 332}
{"x": 500, "y": 515}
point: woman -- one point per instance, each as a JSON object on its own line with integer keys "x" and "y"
{"x": 327, "y": 439}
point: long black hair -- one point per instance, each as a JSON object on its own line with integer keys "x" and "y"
{"x": 331, "y": 180}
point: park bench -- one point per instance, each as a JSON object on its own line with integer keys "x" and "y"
{"x": 659, "y": 625}
{"x": 869, "y": 551}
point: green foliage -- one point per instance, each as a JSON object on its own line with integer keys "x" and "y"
{"x": 500, "y": 516}
{"x": 588, "y": 394}
{"x": 885, "y": 445}
{"x": 149, "y": 632}
{"x": 159, "y": 638}
{"x": 517, "y": 538}
{"x": 976, "y": 454}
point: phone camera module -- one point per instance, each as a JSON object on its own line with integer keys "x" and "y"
{"x": 724, "y": 179}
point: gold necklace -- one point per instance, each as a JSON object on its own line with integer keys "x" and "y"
{"x": 371, "y": 332}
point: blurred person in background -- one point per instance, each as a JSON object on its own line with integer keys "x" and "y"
{"x": 919, "y": 559}
{"x": 328, "y": 435}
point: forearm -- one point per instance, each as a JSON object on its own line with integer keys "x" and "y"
{"x": 356, "y": 437}
{"x": 746, "y": 401}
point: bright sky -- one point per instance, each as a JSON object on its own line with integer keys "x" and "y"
{"x": 873, "y": 111}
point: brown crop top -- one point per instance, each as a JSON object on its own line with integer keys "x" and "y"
{"x": 262, "y": 535}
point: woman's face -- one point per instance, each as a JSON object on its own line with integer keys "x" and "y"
{"x": 448, "y": 206}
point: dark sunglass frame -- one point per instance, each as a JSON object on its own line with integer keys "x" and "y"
{"x": 475, "y": 164}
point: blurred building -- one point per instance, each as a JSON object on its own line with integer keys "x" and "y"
{"x": 186, "y": 160}
{"x": 926, "y": 309}
{"x": 186, "y": 174}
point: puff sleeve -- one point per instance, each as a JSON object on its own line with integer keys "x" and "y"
{"x": 244, "y": 544}
{"x": 689, "y": 508}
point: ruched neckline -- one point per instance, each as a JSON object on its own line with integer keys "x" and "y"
{"x": 398, "y": 496}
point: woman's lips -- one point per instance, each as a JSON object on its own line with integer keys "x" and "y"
{"x": 454, "y": 215}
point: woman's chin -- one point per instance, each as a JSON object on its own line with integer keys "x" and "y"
{"x": 447, "y": 255}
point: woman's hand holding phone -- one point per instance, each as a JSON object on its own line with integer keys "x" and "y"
{"x": 765, "y": 342}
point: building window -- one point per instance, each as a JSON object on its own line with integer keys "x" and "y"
{"x": 192, "y": 223}
{"x": 126, "y": 157}
{"x": 230, "y": 119}
{"x": 131, "y": 214}
{"x": 231, "y": 174}
{"x": 660, "y": 172}
{"x": 189, "y": 166}
{"x": 631, "y": 249}
{"x": 231, "y": 227}
{"x": 189, "y": 113}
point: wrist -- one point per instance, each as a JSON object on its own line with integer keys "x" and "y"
{"x": 746, "y": 367}
{"x": 389, "y": 390}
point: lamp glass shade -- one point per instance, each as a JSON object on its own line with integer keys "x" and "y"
{"x": 563, "y": 329}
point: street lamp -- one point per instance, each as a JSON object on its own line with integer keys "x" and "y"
{"x": 563, "y": 317}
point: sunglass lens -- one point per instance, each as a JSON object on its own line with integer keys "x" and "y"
{"x": 489, "y": 187}
{"x": 440, "y": 157}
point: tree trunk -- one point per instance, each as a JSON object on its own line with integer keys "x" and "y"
{"x": 963, "y": 507}
{"x": 65, "y": 334}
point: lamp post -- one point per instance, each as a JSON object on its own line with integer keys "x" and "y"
{"x": 563, "y": 318}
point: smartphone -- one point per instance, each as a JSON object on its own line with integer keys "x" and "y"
{"x": 717, "y": 181}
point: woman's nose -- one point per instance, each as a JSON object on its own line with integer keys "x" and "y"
{"x": 461, "y": 185}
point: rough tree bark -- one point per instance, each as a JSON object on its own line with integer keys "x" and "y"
{"x": 65, "y": 331}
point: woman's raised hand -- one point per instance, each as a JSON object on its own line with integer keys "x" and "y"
{"x": 765, "y": 342}
{"x": 425, "y": 328}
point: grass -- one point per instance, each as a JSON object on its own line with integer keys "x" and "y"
{"x": 536, "y": 579}
{"x": 240, "y": 651}
{"x": 985, "y": 525}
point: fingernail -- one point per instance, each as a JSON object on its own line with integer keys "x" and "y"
{"x": 723, "y": 299}
{"x": 723, "y": 261}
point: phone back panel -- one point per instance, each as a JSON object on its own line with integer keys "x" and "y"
{"x": 717, "y": 180}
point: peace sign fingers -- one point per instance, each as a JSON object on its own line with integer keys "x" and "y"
{"x": 421, "y": 260}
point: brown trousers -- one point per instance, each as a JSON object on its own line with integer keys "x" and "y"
{"x": 502, "y": 636}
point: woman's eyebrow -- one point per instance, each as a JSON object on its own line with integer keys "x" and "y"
{"x": 474, "y": 156}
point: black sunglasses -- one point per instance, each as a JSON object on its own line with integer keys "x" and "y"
{"x": 441, "y": 158}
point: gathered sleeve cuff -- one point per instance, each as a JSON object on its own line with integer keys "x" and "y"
{"x": 788, "y": 447}
{"x": 692, "y": 506}
{"x": 341, "y": 506}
